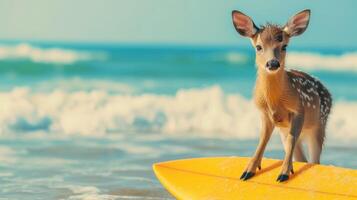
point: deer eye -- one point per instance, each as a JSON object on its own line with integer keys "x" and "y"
{"x": 258, "y": 47}
{"x": 284, "y": 47}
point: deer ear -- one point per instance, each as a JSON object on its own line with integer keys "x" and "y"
{"x": 243, "y": 24}
{"x": 298, "y": 24}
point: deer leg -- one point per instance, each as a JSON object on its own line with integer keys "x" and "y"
{"x": 283, "y": 135}
{"x": 298, "y": 152}
{"x": 291, "y": 139}
{"x": 255, "y": 161}
{"x": 315, "y": 142}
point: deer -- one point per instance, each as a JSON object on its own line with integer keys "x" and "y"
{"x": 293, "y": 101}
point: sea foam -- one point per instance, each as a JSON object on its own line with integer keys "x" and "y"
{"x": 310, "y": 61}
{"x": 315, "y": 61}
{"x": 46, "y": 55}
{"x": 206, "y": 112}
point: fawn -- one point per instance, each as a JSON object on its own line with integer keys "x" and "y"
{"x": 295, "y": 102}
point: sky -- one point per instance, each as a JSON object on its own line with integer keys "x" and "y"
{"x": 193, "y": 22}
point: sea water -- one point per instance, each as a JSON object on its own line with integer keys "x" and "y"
{"x": 87, "y": 121}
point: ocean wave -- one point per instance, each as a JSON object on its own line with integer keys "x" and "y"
{"x": 310, "y": 61}
{"x": 235, "y": 57}
{"x": 46, "y": 55}
{"x": 207, "y": 112}
{"x": 316, "y": 61}
{"x": 87, "y": 192}
{"x": 77, "y": 84}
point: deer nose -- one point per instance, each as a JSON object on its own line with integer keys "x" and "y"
{"x": 273, "y": 64}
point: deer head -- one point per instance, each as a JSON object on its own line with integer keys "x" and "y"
{"x": 270, "y": 41}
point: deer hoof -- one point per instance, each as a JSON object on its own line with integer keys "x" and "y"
{"x": 246, "y": 175}
{"x": 282, "y": 178}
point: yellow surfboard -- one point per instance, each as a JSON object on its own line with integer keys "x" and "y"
{"x": 218, "y": 178}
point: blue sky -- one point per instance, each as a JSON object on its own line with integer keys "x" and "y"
{"x": 204, "y": 22}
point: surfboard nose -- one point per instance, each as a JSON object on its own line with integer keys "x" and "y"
{"x": 155, "y": 168}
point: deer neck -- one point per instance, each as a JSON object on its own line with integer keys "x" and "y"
{"x": 271, "y": 85}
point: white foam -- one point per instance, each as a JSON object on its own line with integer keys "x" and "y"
{"x": 88, "y": 193}
{"x": 46, "y": 55}
{"x": 316, "y": 61}
{"x": 308, "y": 60}
{"x": 75, "y": 84}
{"x": 207, "y": 112}
{"x": 84, "y": 189}
{"x": 235, "y": 57}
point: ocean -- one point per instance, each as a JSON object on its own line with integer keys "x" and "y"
{"x": 87, "y": 121}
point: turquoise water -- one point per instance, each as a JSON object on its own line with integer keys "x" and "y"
{"x": 88, "y": 121}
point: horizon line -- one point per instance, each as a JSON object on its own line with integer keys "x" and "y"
{"x": 158, "y": 44}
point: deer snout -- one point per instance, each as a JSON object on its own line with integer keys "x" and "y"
{"x": 273, "y": 64}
